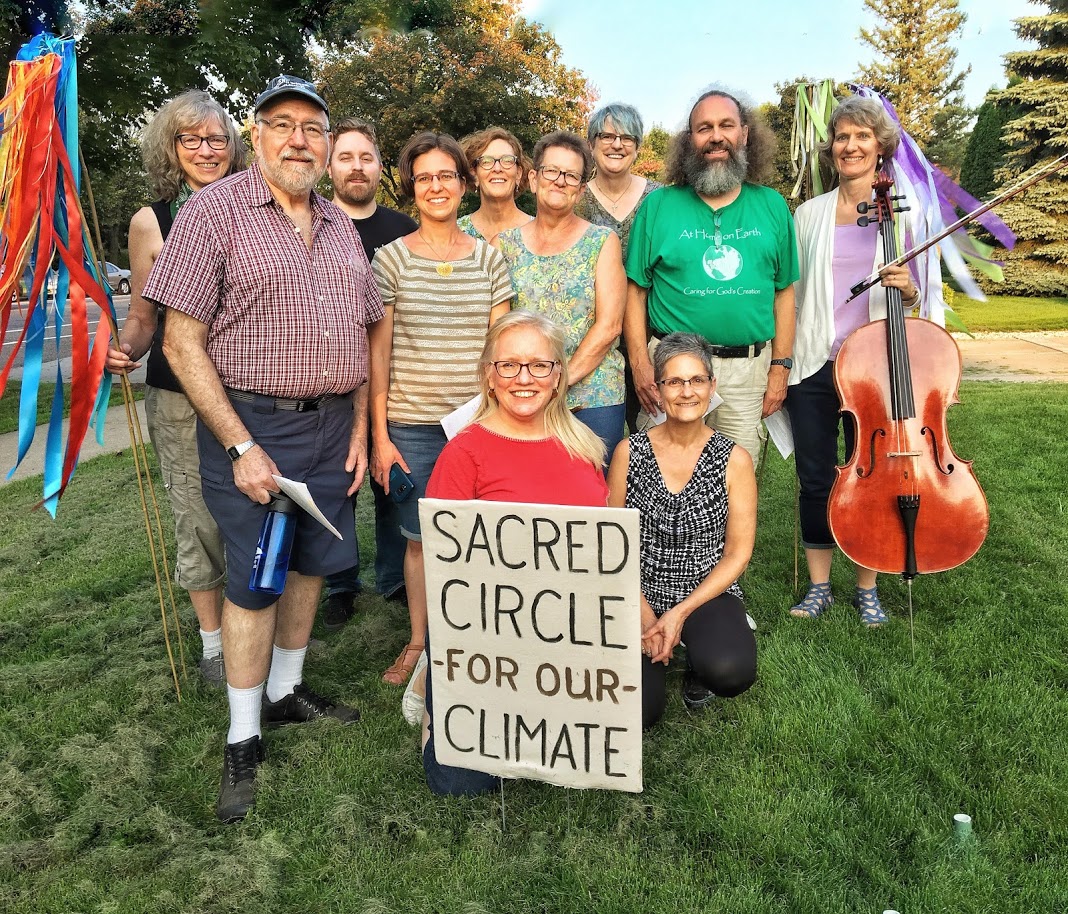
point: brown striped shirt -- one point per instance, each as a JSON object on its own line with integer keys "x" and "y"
{"x": 439, "y": 327}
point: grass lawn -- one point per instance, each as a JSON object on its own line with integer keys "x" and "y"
{"x": 1009, "y": 313}
{"x": 828, "y": 788}
{"x": 9, "y": 403}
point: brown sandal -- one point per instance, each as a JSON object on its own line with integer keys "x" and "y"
{"x": 404, "y": 664}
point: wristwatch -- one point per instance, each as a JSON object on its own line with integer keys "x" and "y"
{"x": 786, "y": 363}
{"x": 238, "y": 449}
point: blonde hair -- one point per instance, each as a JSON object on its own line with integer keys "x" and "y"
{"x": 576, "y": 438}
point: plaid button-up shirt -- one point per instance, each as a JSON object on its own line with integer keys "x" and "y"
{"x": 282, "y": 320}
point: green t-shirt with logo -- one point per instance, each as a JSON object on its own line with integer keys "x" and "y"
{"x": 713, "y": 272}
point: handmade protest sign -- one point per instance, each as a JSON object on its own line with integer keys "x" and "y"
{"x": 535, "y": 628}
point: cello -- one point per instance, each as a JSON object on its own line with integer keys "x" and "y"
{"x": 904, "y": 502}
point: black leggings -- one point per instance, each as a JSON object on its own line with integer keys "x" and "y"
{"x": 720, "y": 649}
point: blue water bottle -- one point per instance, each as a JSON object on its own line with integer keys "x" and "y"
{"x": 271, "y": 563}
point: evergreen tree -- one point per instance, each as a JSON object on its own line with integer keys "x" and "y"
{"x": 1038, "y": 134}
{"x": 986, "y": 149}
{"x": 915, "y": 39}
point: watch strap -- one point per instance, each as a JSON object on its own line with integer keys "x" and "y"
{"x": 238, "y": 449}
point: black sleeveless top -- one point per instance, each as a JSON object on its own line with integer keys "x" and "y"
{"x": 158, "y": 372}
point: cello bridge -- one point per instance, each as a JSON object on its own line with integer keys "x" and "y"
{"x": 904, "y": 454}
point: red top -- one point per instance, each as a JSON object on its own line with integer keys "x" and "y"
{"x": 481, "y": 464}
{"x": 282, "y": 320}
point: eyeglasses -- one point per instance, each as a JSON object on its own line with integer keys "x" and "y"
{"x": 552, "y": 174}
{"x": 536, "y": 369}
{"x": 487, "y": 162}
{"x": 283, "y": 128}
{"x": 625, "y": 139}
{"x": 192, "y": 141}
{"x": 697, "y": 382}
{"x": 426, "y": 178}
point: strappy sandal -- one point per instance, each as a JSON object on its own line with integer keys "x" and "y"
{"x": 871, "y": 610}
{"x": 404, "y": 664}
{"x": 815, "y": 602}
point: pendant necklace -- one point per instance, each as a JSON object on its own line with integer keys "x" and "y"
{"x": 613, "y": 203}
{"x": 444, "y": 268}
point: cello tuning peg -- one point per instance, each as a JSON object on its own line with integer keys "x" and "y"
{"x": 902, "y": 209}
{"x": 863, "y": 207}
{"x": 863, "y": 221}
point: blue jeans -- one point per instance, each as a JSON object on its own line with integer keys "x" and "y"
{"x": 447, "y": 780}
{"x": 420, "y": 446}
{"x": 814, "y": 408}
{"x": 606, "y": 422}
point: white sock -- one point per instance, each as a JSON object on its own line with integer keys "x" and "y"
{"x": 212, "y": 642}
{"x": 287, "y": 670}
{"x": 244, "y": 712}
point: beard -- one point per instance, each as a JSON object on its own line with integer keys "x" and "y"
{"x": 293, "y": 178}
{"x": 355, "y": 194}
{"x": 712, "y": 179}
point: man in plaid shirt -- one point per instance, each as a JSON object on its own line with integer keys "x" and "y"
{"x": 269, "y": 293}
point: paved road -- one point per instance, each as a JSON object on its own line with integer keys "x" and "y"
{"x": 1000, "y": 357}
{"x": 49, "y": 352}
{"x": 1015, "y": 357}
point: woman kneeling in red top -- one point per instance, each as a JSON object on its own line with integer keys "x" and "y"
{"x": 523, "y": 445}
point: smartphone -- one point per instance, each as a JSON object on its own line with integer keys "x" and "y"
{"x": 400, "y": 484}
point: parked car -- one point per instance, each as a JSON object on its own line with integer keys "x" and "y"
{"x": 118, "y": 279}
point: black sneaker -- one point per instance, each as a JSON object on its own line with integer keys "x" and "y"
{"x": 213, "y": 671}
{"x": 695, "y": 694}
{"x": 302, "y": 706}
{"x": 339, "y": 608}
{"x": 237, "y": 787}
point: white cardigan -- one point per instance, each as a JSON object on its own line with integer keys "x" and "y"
{"x": 814, "y": 291}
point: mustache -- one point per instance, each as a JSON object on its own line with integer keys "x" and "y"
{"x": 716, "y": 145}
{"x": 297, "y": 157}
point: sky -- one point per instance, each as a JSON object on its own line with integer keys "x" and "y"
{"x": 659, "y": 54}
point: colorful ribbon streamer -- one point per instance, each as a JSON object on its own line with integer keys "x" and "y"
{"x": 41, "y": 221}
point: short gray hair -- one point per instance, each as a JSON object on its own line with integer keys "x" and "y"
{"x": 676, "y": 344}
{"x": 625, "y": 117}
{"x": 864, "y": 112}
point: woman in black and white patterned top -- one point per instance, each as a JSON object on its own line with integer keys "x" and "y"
{"x": 696, "y": 492}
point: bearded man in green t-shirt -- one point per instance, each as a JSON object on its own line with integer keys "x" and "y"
{"x": 714, "y": 253}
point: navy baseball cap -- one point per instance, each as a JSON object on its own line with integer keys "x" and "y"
{"x": 289, "y": 85}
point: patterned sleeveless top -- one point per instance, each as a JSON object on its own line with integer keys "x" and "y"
{"x": 682, "y": 534}
{"x": 561, "y": 286}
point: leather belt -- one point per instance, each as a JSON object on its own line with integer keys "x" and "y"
{"x": 300, "y": 406}
{"x": 724, "y": 352}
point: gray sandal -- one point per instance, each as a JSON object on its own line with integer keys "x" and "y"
{"x": 817, "y": 599}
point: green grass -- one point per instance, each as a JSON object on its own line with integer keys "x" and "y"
{"x": 1012, "y": 313}
{"x": 828, "y": 788}
{"x": 9, "y": 403}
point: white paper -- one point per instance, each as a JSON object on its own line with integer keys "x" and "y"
{"x": 298, "y": 491}
{"x": 782, "y": 436}
{"x": 460, "y": 417}
{"x": 714, "y": 401}
{"x": 535, "y": 622}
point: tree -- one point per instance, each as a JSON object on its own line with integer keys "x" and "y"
{"x": 949, "y": 140}
{"x": 487, "y": 66}
{"x": 1037, "y": 134}
{"x": 986, "y": 149}
{"x": 652, "y": 152}
{"x": 915, "y": 39}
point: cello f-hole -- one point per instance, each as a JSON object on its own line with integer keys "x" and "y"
{"x": 948, "y": 468}
{"x": 878, "y": 433}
